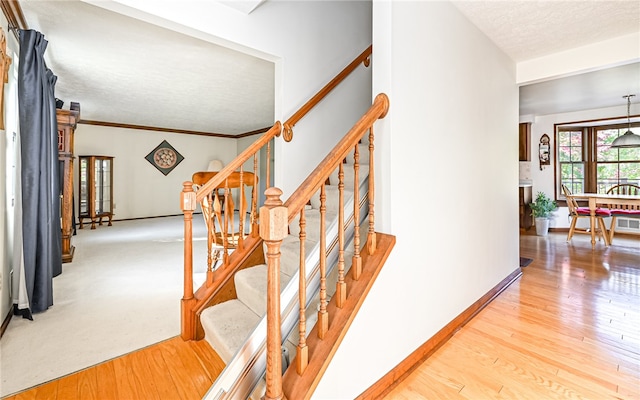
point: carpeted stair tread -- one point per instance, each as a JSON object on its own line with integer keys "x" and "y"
{"x": 251, "y": 287}
{"x": 312, "y": 227}
{"x": 363, "y": 154}
{"x": 227, "y": 325}
{"x": 290, "y": 253}
{"x": 332, "y": 201}
{"x": 363, "y": 173}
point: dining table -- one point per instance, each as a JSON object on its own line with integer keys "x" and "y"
{"x": 602, "y": 200}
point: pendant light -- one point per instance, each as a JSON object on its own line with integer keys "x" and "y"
{"x": 629, "y": 139}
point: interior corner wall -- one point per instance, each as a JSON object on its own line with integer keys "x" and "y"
{"x": 139, "y": 189}
{"x": 451, "y": 180}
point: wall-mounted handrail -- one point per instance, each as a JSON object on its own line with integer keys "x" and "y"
{"x": 192, "y": 195}
{"x": 364, "y": 58}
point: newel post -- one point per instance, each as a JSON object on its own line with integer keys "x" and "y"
{"x": 188, "y": 205}
{"x": 273, "y": 229}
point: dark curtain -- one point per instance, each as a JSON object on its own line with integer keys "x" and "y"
{"x": 41, "y": 230}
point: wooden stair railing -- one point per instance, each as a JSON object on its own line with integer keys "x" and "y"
{"x": 275, "y": 217}
{"x": 363, "y": 58}
{"x": 193, "y": 302}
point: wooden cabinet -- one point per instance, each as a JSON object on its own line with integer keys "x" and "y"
{"x": 67, "y": 122}
{"x": 95, "y": 189}
{"x": 524, "y": 149}
{"x": 526, "y": 220}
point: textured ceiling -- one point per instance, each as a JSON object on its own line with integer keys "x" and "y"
{"x": 530, "y": 29}
{"x": 122, "y": 70}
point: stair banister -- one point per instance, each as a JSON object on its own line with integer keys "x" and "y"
{"x": 188, "y": 205}
{"x": 324, "y": 169}
{"x": 364, "y": 58}
{"x": 274, "y": 227}
{"x": 189, "y": 200}
{"x": 194, "y": 301}
{"x": 237, "y": 162}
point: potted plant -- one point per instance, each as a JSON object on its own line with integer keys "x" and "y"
{"x": 541, "y": 209}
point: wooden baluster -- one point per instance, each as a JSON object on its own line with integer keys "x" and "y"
{"x": 303, "y": 350}
{"x": 323, "y": 316}
{"x": 341, "y": 286}
{"x": 210, "y": 232}
{"x": 267, "y": 184}
{"x": 254, "y": 197}
{"x": 371, "y": 240}
{"x": 241, "y": 211}
{"x": 356, "y": 264}
{"x": 273, "y": 229}
{"x": 217, "y": 216}
{"x": 188, "y": 202}
{"x": 225, "y": 225}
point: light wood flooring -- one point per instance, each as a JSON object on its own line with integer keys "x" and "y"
{"x": 172, "y": 369}
{"x": 569, "y": 328}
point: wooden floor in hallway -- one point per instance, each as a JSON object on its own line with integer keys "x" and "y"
{"x": 169, "y": 370}
{"x": 569, "y": 328}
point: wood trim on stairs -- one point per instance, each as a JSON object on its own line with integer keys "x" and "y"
{"x": 415, "y": 359}
{"x": 321, "y": 351}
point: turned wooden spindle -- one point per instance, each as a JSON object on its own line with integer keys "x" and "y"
{"x": 356, "y": 264}
{"x": 323, "y": 315}
{"x": 371, "y": 240}
{"x": 303, "y": 350}
{"x": 341, "y": 286}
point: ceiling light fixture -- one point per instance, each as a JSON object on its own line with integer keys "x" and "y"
{"x": 629, "y": 139}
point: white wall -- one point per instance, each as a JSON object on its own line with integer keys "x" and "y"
{"x": 309, "y": 41}
{"x": 543, "y": 180}
{"x": 6, "y": 208}
{"x": 139, "y": 189}
{"x": 451, "y": 180}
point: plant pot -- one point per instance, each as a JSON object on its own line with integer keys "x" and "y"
{"x": 542, "y": 226}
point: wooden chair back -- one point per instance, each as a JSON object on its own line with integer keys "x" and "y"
{"x": 220, "y": 201}
{"x": 624, "y": 188}
{"x": 572, "y": 204}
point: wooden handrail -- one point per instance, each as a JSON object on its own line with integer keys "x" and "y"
{"x": 219, "y": 178}
{"x": 364, "y": 58}
{"x": 324, "y": 169}
{"x": 295, "y": 207}
{"x": 194, "y": 301}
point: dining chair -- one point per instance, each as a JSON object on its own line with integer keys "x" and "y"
{"x": 576, "y": 212}
{"x": 622, "y": 210}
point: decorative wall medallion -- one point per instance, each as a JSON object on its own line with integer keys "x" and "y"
{"x": 164, "y": 157}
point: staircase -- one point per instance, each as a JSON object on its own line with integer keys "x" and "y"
{"x": 262, "y": 304}
{"x": 228, "y": 326}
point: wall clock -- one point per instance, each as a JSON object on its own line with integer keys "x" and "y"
{"x": 164, "y": 157}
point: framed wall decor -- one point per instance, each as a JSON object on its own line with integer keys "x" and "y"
{"x": 164, "y": 157}
{"x": 543, "y": 151}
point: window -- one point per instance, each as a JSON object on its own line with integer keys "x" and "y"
{"x": 585, "y": 161}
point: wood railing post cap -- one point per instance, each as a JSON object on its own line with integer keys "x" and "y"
{"x": 274, "y": 217}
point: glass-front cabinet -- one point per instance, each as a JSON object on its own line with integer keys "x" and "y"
{"x": 95, "y": 189}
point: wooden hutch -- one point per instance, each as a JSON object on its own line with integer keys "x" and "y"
{"x": 67, "y": 122}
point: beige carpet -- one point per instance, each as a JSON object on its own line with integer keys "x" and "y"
{"x": 121, "y": 292}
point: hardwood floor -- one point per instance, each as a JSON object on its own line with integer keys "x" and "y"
{"x": 172, "y": 369}
{"x": 569, "y": 328}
